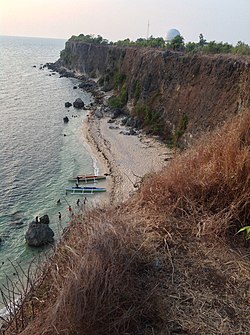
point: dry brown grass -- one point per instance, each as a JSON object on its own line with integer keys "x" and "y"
{"x": 165, "y": 262}
{"x": 210, "y": 183}
{"x": 95, "y": 282}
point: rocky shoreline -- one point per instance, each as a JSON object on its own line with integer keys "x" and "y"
{"x": 115, "y": 137}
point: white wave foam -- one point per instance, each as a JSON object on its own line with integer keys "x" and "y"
{"x": 95, "y": 166}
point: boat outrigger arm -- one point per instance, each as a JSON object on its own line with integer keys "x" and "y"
{"x": 84, "y": 190}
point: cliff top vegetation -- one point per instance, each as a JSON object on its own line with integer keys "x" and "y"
{"x": 176, "y": 44}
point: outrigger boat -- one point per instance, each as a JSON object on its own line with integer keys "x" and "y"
{"x": 87, "y": 178}
{"x": 84, "y": 190}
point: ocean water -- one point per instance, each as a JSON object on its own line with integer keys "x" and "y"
{"x": 36, "y": 158}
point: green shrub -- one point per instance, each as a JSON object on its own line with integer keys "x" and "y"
{"x": 119, "y": 80}
{"x": 138, "y": 90}
{"x": 152, "y": 120}
{"x": 241, "y": 49}
{"x": 66, "y": 56}
{"x": 89, "y": 39}
{"x": 180, "y": 130}
{"x": 115, "y": 102}
{"x": 120, "y": 100}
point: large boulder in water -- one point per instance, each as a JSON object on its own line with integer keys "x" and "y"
{"x": 78, "y": 103}
{"x": 39, "y": 234}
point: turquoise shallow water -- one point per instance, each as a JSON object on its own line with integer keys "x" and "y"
{"x": 36, "y": 158}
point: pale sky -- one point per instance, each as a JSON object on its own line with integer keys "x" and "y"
{"x": 219, "y": 20}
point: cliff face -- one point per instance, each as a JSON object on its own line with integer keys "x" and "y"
{"x": 203, "y": 89}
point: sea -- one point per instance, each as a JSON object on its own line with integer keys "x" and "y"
{"x": 38, "y": 151}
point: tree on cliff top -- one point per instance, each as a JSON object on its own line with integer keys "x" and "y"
{"x": 176, "y": 44}
{"x": 89, "y": 39}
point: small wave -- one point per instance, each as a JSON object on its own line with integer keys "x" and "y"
{"x": 95, "y": 167}
{"x": 4, "y": 313}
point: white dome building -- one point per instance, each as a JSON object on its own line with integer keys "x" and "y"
{"x": 172, "y": 33}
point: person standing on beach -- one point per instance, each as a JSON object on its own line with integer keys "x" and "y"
{"x": 70, "y": 211}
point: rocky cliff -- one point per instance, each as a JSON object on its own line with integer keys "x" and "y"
{"x": 181, "y": 94}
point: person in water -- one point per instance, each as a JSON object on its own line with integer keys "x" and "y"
{"x": 78, "y": 202}
{"x": 59, "y": 215}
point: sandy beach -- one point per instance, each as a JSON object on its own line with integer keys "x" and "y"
{"x": 126, "y": 158}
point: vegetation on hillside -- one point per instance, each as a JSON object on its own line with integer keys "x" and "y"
{"x": 176, "y": 44}
{"x": 209, "y": 182}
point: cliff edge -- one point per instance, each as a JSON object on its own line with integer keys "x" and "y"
{"x": 182, "y": 94}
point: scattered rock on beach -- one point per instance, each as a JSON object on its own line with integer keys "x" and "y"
{"x": 111, "y": 121}
{"x": 99, "y": 113}
{"x": 116, "y": 113}
{"x": 88, "y": 85}
{"x": 113, "y": 127}
{"x": 124, "y": 121}
{"x": 78, "y": 103}
{"x": 65, "y": 119}
{"x": 133, "y": 122}
{"x": 132, "y": 132}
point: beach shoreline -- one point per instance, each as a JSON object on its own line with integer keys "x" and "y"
{"x": 125, "y": 158}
